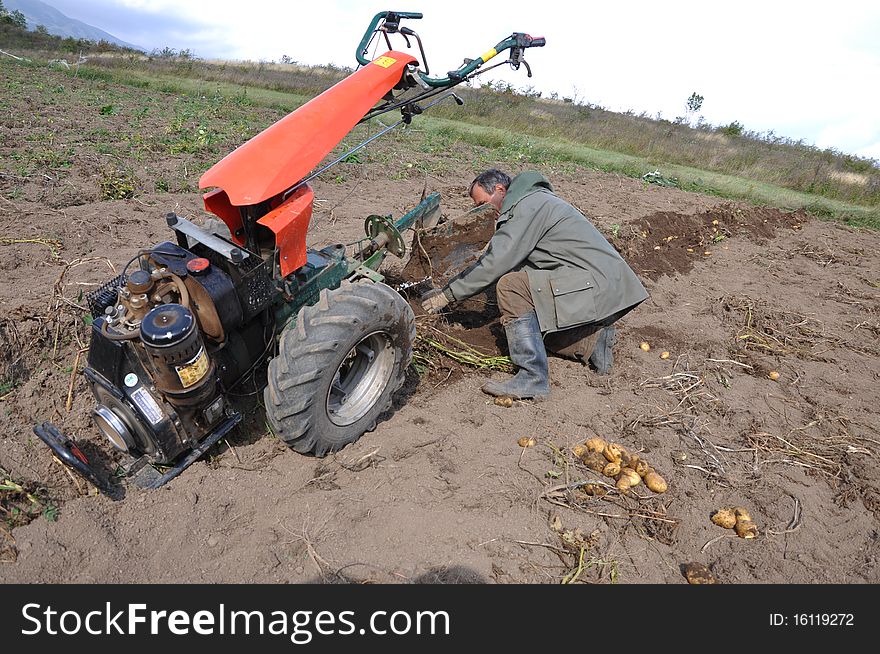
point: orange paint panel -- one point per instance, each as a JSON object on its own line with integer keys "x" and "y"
{"x": 284, "y": 153}
{"x": 290, "y": 222}
{"x": 218, "y": 204}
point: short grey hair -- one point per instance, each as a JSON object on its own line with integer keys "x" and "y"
{"x": 488, "y": 179}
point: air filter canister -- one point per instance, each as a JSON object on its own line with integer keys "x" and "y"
{"x": 180, "y": 364}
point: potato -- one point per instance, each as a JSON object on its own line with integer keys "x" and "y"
{"x": 596, "y": 444}
{"x": 741, "y": 513}
{"x": 724, "y": 518}
{"x": 645, "y": 346}
{"x": 773, "y": 375}
{"x": 642, "y": 468}
{"x": 745, "y": 529}
{"x": 697, "y": 573}
{"x": 579, "y": 450}
{"x": 631, "y": 475}
{"x": 629, "y": 459}
{"x": 595, "y": 490}
{"x": 526, "y": 441}
{"x": 634, "y": 462}
{"x": 623, "y": 483}
{"x": 504, "y": 401}
{"x": 612, "y": 453}
{"x": 664, "y": 354}
{"x": 594, "y": 461}
{"x": 612, "y": 469}
{"x": 655, "y": 482}
{"x": 627, "y": 455}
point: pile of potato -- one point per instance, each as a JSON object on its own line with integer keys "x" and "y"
{"x": 738, "y": 519}
{"x": 613, "y": 460}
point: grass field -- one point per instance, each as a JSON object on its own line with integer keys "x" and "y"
{"x": 758, "y": 168}
{"x": 524, "y": 139}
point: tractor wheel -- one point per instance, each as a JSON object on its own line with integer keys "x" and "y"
{"x": 338, "y": 367}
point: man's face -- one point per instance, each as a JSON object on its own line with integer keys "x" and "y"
{"x": 481, "y": 197}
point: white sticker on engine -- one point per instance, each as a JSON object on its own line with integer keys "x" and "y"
{"x": 147, "y": 405}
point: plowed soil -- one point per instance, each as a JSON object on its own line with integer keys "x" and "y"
{"x": 441, "y": 491}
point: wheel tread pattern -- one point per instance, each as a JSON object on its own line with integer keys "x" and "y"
{"x": 308, "y": 350}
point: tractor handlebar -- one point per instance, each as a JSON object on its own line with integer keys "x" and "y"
{"x": 516, "y": 43}
{"x": 391, "y": 24}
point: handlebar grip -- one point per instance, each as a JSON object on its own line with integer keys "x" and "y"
{"x": 368, "y": 35}
{"x": 537, "y": 42}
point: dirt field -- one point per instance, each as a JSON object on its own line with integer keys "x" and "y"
{"x": 440, "y": 491}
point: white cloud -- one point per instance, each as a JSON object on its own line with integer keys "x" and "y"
{"x": 871, "y": 151}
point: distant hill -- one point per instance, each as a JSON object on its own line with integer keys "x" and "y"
{"x": 39, "y": 13}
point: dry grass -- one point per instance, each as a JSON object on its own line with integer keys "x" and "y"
{"x": 432, "y": 342}
{"x": 762, "y": 157}
{"x": 772, "y": 331}
{"x": 826, "y": 443}
{"x": 688, "y": 416}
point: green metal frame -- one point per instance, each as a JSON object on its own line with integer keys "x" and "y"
{"x": 328, "y": 267}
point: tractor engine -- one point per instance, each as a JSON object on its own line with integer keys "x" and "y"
{"x": 171, "y": 339}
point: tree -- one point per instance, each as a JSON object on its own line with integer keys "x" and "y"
{"x": 693, "y": 106}
{"x": 41, "y": 29}
{"x": 164, "y": 53}
{"x": 694, "y": 103}
{"x": 7, "y": 17}
{"x": 18, "y": 19}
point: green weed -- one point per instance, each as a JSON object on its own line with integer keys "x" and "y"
{"x": 117, "y": 185}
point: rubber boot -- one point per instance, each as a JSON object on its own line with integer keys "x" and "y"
{"x": 527, "y": 352}
{"x": 602, "y": 357}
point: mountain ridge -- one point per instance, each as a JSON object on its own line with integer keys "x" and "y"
{"x": 60, "y": 24}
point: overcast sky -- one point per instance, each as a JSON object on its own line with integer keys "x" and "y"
{"x": 804, "y": 69}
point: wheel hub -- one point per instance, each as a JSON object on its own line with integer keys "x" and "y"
{"x": 360, "y": 379}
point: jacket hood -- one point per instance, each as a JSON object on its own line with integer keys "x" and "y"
{"x": 522, "y": 185}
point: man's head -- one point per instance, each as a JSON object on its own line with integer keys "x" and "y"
{"x": 489, "y": 187}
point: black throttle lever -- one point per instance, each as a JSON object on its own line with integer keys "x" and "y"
{"x": 517, "y": 52}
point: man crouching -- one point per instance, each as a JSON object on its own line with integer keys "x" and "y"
{"x": 560, "y": 284}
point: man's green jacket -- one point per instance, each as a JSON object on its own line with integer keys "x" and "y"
{"x": 576, "y": 276}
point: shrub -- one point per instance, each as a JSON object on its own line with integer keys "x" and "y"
{"x": 733, "y": 129}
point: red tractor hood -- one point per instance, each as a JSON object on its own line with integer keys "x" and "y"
{"x": 284, "y": 153}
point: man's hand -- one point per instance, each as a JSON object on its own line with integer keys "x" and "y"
{"x": 434, "y": 301}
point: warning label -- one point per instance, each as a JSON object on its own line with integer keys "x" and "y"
{"x": 193, "y": 370}
{"x": 385, "y": 62}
